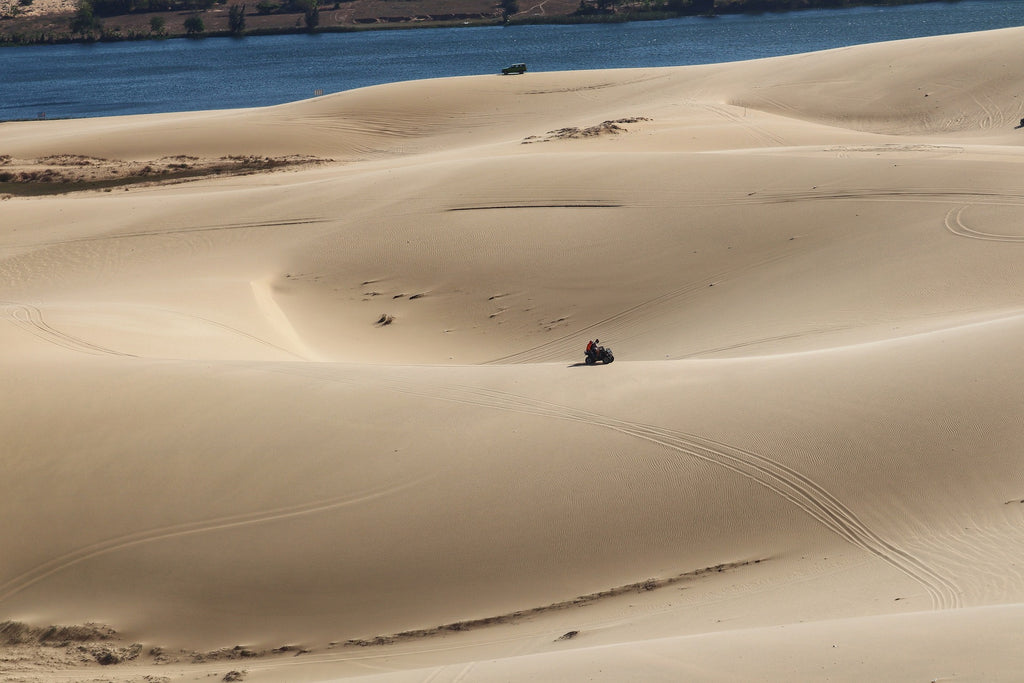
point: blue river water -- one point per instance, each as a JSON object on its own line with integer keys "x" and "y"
{"x": 107, "y": 79}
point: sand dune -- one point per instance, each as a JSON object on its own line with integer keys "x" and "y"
{"x": 330, "y": 420}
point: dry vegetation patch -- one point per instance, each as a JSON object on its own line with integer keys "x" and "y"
{"x": 22, "y": 645}
{"x": 18, "y": 633}
{"x": 575, "y": 133}
{"x": 27, "y": 651}
{"x": 62, "y": 173}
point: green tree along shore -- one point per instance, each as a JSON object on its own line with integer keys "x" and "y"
{"x": 114, "y": 20}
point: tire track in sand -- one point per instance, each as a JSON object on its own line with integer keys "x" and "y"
{"x": 32, "y": 576}
{"x": 884, "y": 194}
{"x": 765, "y": 340}
{"x": 726, "y": 111}
{"x": 235, "y": 331}
{"x": 784, "y": 481}
{"x": 956, "y": 225}
{"x": 633, "y": 318}
{"x": 169, "y": 231}
{"x": 30, "y": 318}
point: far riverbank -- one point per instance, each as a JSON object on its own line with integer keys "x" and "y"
{"x": 20, "y": 25}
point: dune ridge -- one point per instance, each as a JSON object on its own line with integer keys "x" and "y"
{"x": 330, "y": 419}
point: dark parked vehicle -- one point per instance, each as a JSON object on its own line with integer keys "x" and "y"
{"x": 514, "y": 69}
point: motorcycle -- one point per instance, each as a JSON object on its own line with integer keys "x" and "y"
{"x": 602, "y": 354}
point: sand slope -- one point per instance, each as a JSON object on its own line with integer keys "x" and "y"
{"x": 332, "y": 421}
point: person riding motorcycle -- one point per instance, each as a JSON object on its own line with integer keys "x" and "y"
{"x": 597, "y": 353}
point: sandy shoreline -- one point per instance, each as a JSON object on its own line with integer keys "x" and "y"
{"x": 804, "y": 464}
